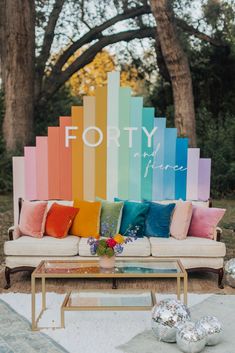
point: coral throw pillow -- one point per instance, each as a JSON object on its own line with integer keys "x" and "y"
{"x": 204, "y": 221}
{"x": 181, "y": 219}
{"x": 87, "y": 222}
{"x": 32, "y": 218}
{"x": 59, "y": 220}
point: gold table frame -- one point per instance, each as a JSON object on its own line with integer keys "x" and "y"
{"x": 38, "y": 273}
{"x": 66, "y": 307}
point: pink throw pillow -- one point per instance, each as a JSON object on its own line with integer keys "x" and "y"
{"x": 181, "y": 219}
{"x": 33, "y": 218}
{"x": 204, "y": 221}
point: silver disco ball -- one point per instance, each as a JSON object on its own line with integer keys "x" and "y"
{"x": 213, "y": 329}
{"x": 166, "y": 316}
{"x": 230, "y": 272}
{"x": 191, "y": 338}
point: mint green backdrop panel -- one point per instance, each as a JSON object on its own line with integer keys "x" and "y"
{"x": 158, "y": 175}
{"x": 123, "y": 160}
{"x": 169, "y": 164}
{"x": 147, "y": 154}
{"x": 135, "y": 151}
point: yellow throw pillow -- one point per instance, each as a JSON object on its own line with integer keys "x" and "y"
{"x": 87, "y": 221}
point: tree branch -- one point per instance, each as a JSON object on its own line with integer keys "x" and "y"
{"x": 96, "y": 33}
{"x": 198, "y": 34}
{"x": 56, "y": 80}
{"x": 49, "y": 34}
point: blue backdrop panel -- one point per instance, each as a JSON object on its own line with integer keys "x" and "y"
{"x": 157, "y": 189}
{"x": 169, "y": 164}
{"x": 181, "y": 161}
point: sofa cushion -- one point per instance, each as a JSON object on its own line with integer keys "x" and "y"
{"x": 46, "y": 246}
{"x": 189, "y": 247}
{"x": 139, "y": 247}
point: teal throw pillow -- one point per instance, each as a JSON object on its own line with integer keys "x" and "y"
{"x": 110, "y": 218}
{"x": 158, "y": 220}
{"x": 133, "y": 217}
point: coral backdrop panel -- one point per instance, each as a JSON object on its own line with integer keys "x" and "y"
{"x": 77, "y": 153}
{"x": 65, "y": 163}
{"x": 53, "y": 162}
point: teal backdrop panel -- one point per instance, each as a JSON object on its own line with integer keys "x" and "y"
{"x": 135, "y": 152}
{"x": 147, "y": 154}
{"x": 169, "y": 164}
{"x": 181, "y": 162}
{"x": 158, "y": 175}
{"x": 123, "y": 159}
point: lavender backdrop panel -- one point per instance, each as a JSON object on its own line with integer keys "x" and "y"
{"x": 192, "y": 173}
{"x": 204, "y": 179}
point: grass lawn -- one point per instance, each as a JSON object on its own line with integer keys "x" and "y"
{"x": 227, "y": 224}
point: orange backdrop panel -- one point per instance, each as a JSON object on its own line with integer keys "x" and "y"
{"x": 101, "y": 150}
{"x": 65, "y": 154}
{"x": 77, "y": 153}
{"x": 53, "y": 163}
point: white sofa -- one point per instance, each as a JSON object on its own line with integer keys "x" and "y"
{"x": 25, "y": 253}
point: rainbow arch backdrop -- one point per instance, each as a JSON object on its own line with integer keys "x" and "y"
{"x": 137, "y": 158}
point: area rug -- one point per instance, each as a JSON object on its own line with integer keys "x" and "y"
{"x": 221, "y": 306}
{"x": 16, "y": 334}
{"x": 88, "y": 332}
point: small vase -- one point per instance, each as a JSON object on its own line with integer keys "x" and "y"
{"x": 107, "y": 262}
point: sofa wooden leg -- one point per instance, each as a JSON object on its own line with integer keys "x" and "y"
{"x": 8, "y": 277}
{"x": 220, "y": 278}
{"x": 114, "y": 286}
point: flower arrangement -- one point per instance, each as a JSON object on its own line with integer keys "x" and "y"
{"x": 112, "y": 244}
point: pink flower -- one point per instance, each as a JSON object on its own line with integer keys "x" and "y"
{"x": 111, "y": 242}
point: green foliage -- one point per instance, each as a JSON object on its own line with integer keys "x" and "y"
{"x": 104, "y": 249}
{"x": 217, "y": 141}
{"x": 59, "y": 105}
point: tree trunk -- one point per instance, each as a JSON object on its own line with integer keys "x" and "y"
{"x": 178, "y": 68}
{"x": 17, "y": 41}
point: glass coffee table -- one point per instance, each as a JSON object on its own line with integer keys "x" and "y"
{"x": 107, "y": 299}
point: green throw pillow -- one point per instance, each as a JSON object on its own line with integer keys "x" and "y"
{"x": 110, "y": 218}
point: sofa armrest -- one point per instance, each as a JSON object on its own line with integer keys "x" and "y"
{"x": 218, "y": 234}
{"x": 10, "y": 233}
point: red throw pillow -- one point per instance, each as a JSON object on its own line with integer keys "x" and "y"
{"x": 59, "y": 220}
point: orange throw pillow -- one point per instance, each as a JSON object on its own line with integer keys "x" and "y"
{"x": 87, "y": 221}
{"x": 59, "y": 220}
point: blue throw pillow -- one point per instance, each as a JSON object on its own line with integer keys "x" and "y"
{"x": 133, "y": 214}
{"x": 157, "y": 223}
